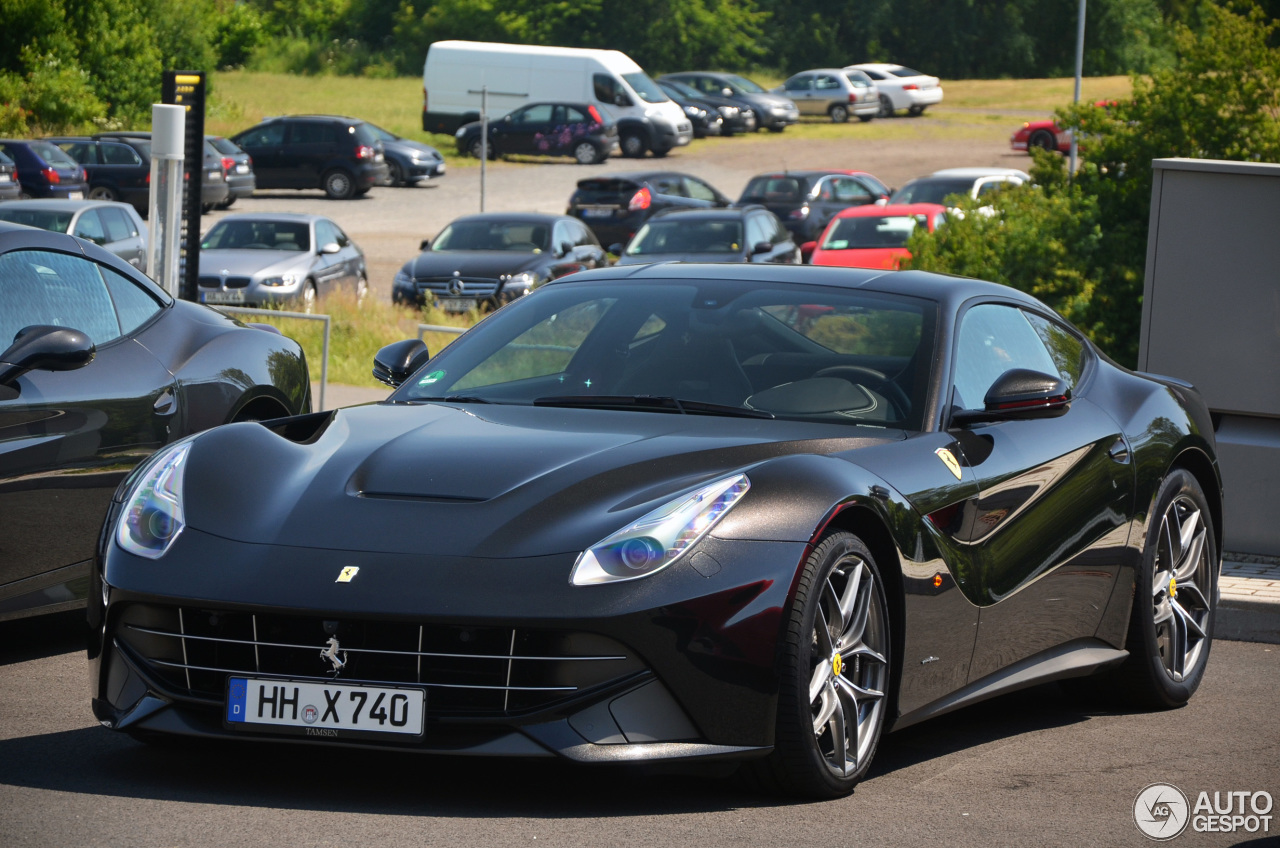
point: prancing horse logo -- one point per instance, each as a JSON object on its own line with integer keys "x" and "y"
{"x": 330, "y": 653}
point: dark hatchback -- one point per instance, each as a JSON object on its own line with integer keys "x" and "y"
{"x": 615, "y": 207}
{"x": 806, "y": 201}
{"x": 579, "y": 130}
{"x": 734, "y": 118}
{"x": 486, "y": 260}
{"x": 118, "y": 169}
{"x": 44, "y": 170}
{"x": 214, "y": 190}
{"x": 241, "y": 180}
{"x": 9, "y": 187}
{"x": 772, "y": 111}
{"x": 741, "y": 234}
{"x": 706, "y": 119}
{"x": 340, "y": 155}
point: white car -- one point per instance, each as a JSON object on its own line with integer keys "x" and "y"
{"x": 975, "y": 182}
{"x": 901, "y": 88}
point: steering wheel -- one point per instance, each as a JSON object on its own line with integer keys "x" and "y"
{"x": 877, "y": 379}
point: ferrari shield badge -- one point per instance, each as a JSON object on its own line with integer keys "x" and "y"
{"x": 949, "y": 459}
{"x": 348, "y": 574}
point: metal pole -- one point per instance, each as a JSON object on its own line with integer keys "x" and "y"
{"x": 168, "y": 130}
{"x": 1079, "y": 73}
{"x": 484, "y": 138}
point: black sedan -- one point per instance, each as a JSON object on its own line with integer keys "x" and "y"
{"x": 579, "y": 130}
{"x": 675, "y": 512}
{"x": 483, "y": 261}
{"x": 98, "y": 368}
{"x": 806, "y": 201}
{"x": 745, "y": 234}
{"x": 615, "y": 206}
{"x": 409, "y": 162}
{"x": 734, "y": 118}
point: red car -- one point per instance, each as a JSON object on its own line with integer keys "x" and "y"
{"x": 874, "y": 236}
{"x": 1047, "y": 134}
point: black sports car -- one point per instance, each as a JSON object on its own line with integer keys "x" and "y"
{"x": 98, "y": 368}
{"x": 675, "y": 511}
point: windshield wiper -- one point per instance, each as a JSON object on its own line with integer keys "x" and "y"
{"x": 652, "y": 403}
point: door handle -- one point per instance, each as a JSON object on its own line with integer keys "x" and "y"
{"x": 166, "y": 404}
{"x": 1119, "y": 452}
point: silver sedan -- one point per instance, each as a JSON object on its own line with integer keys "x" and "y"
{"x": 113, "y": 226}
{"x": 260, "y": 259}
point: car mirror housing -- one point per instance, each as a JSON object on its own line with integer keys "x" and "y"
{"x": 425, "y": 244}
{"x": 564, "y": 249}
{"x": 1019, "y": 394}
{"x": 761, "y": 247}
{"x": 45, "y": 348}
{"x": 330, "y": 248}
{"x": 395, "y": 362}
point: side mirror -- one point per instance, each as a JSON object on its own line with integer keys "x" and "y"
{"x": 397, "y": 361}
{"x": 425, "y": 244}
{"x": 564, "y": 249}
{"x": 45, "y": 348}
{"x": 616, "y": 249}
{"x": 1019, "y": 394}
{"x": 761, "y": 247}
{"x": 726, "y": 91}
{"x": 806, "y": 251}
{"x": 330, "y": 248}
{"x": 621, "y": 99}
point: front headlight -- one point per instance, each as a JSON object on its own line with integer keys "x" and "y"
{"x": 659, "y": 538}
{"x": 152, "y": 517}
{"x": 403, "y": 280}
{"x": 282, "y": 280}
{"x": 728, "y": 111}
{"x": 524, "y": 278}
{"x": 460, "y": 133}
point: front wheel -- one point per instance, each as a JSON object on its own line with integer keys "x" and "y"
{"x": 865, "y": 118}
{"x": 395, "y": 174}
{"x": 839, "y": 114}
{"x": 339, "y": 185}
{"x": 633, "y": 145}
{"x": 1171, "y": 626}
{"x": 309, "y": 296}
{"x": 835, "y": 665}
{"x": 103, "y": 193}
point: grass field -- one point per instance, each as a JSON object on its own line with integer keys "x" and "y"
{"x": 243, "y": 98}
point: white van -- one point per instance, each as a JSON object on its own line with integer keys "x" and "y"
{"x": 516, "y": 74}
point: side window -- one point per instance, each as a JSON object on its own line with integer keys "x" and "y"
{"x": 780, "y": 233}
{"x": 757, "y": 231}
{"x": 90, "y": 227}
{"x": 699, "y": 190}
{"x": 119, "y": 154}
{"x": 1069, "y": 352}
{"x": 850, "y": 191}
{"x": 134, "y": 306}
{"x": 706, "y": 84}
{"x": 669, "y": 185}
{"x": 42, "y": 287}
{"x": 991, "y": 186}
{"x": 117, "y": 224}
{"x": 583, "y": 237}
{"x": 574, "y": 116}
{"x": 825, "y": 82}
{"x": 539, "y": 114}
{"x": 606, "y": 88}
{"x": 994, "y": 339}
{"x": 264, "y": 135}
{"x": 326, "y": 233}
{"x": 339, "y": 236}
{"x": 799, "y": 82}
{"x": 559, "y": 235}
{"x": 81, "y": 151}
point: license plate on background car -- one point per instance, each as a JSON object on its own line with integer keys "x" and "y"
{"x": 325, "y": 706}
{"x": 242, "y": 168}
{"x": 222, "y": 297}
{"x": 588, "y": 212}
{"x": 4, "y": 178}
{"x": 456, "y": 304}
{"x": 215, "y": 175}
{"x": 75, "y": 195}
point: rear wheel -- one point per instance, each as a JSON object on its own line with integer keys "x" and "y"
{"x": 886, "y": 106}
{"x": 633, "y": 145}
{"x": 835, "y": 673}
{"x": 226, "y": 204}
{"x": 839, "y": 113}
{"x": 915, "y": 111}
{"x": 477, "y": 149}
{"x": 395, "y": 174}
{"x": 1043, "y": 140}
{"x": 338, "y": 184}
{"x": 585, "y": 153}
{"x": 1171, "y": 626}
{"x": 103, "y": 193}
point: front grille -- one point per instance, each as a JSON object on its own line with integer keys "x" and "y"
{"x": 229, "y": 282}
{"x": 480, "y": 287}
{"x": 210, "y": 282}
{"x": 468, "y": 671}
{"x": 237, "y": 282}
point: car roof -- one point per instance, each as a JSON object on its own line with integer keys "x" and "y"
{"x": 708, "y": 212}
{"x": 836, "y": 71}
{"x": 951, "y": 291}
{"x": 515, "y": 217}
{"x": 876, "y": 66}
{"x": 873, "y": 211}
{"x": 981, "y": 172}
{"x": 61, "y": 205}
{"x": 297, "y": 217}
{"x": 813, "y": 172}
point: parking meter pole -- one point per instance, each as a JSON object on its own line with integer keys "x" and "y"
{"x": 168, "y": 137}
{"x": 1071, "y": 169}
{"x": 484, "y": 139}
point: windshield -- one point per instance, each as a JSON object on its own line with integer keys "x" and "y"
{"x": 775, "y": 190}
{"x": 258, "y": 235}
{"x": 681, "y": 89}
{"x": 931, "y": 191}
{"x": 57, "y": 222}
{"x": 730, "y": 347}
{"x": 680, "y": 235}
{"x": 379, "y": 133}
{"x": 878, "y": 231}
{"x": 857, "y": 79}
{"x": 519, "y": 236}
{"x": 743, "y": 84}
{"x": 52, "y": 154}
{"x": 225, "y": 146}
{"x": 646, "y": 88}
{"x": 905, "y": 72}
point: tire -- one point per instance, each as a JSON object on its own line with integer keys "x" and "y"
{"x": 1171, "y": 626}
{"x": 309, "y": 296}
{"x": 226, "y": 204}
{"x": 839, "y": 113}
{"x": 585, "y": 153}
{"x": 660, "y": 153}
{"x": 338, "y": 184}
{"x": 865, "y": 118}
{"x": 103, "y": 192}
{"x": 915, "y": 111}
{"x": 475, "y": 150}
{"x": 886, "y": 107}
{"x": 1043, "y": 140}
{"x": 633, "y": 145}
{"x": 777, "y": 128}
{"x": 395, "y": 174}
{"x": 852, "y": 692}
{"x": 362, "y": 288}
{"x": 206, "y": 208}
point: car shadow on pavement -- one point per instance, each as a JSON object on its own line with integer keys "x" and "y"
{"x": 42, "y": 636}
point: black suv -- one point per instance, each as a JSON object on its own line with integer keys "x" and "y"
{"x": 118, "y": 168}
{"x": 343, "y": 156}
{"x": 213, "y": 176}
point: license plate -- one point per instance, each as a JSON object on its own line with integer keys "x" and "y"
{"x": 588, "y": 212}
{"x": 313, "y": 707}
{"x": 222, "y": 297}
{"x": 242, "y": 168}
{"x": 75, "y": 195}
{"x": 456, "y": 304}
{"x": 378, "y": 157}
{"x": 215, "y": 175}
{"x": 4, "y": 178}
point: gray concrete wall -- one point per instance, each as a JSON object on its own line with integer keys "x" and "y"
{"x": 1211, "y": 315}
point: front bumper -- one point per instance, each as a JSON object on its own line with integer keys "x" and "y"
{"x": 682, "y": 664}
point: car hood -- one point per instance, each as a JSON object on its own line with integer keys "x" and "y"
{"x": 409, "y": 147}
{"x": 472, "y": 263}
{"x": 490, "y": 481}
{"x": 650, "y": 258}
{"x": 770, "y": 99}
{"x": 249, "y": 262}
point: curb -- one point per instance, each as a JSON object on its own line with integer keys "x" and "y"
{"x": 1247, "y": 621}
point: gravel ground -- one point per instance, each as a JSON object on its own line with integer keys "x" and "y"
{"x": 389, "y": 223}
